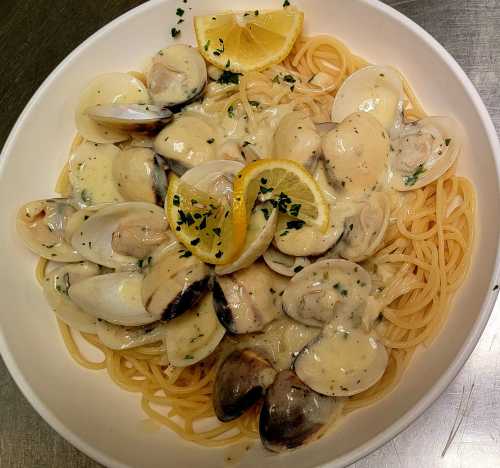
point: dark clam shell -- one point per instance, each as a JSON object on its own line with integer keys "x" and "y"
{"x": 186, "y": 299}
{"x": 241, "y": 381}
{"x": 292, "y": 414}
{"x": 222, "y": 309}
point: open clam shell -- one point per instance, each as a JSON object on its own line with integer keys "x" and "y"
{"x": 326, "y": 290}
{"x": 119, "y": 235}
{"x": 41, "y": 225}
{"x": 138, "y": 118}
{"x": 176, "y": 75}
{"x": 376, "y": 90}
{"x": 424, "y": 151}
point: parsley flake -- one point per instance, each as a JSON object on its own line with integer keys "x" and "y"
{"x": 411, "y": 180}
{"x": 229, "y": 77}
{"x": 295, "y": 224}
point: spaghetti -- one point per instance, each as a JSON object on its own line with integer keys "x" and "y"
{"x": 427, "y": 249}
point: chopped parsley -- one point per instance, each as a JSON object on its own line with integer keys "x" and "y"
{"x": 185, "y": 218}
{"x": 412, "y": 179}
{"x": 256, "y": 12}
{"x": 276, "y": 79}
{"x": 228, "y": 77}
{"x": 176, "y": 200}
{"x": 216, "y": 231}
{"x": 195, "y": 241}
{"x": 185, "y": 254}
{"x": 265, "y": 212}
{"x": 447, "y": 141}
{"x": 284, "y": 233}
{"x": 179, "y": 12}
{"x": 207, "y": 45}
{"x": 218, "y": 254}
{"x": 220, "y": 50}
{"x": 85, "y": 196}
{"x": 344, "y": 292}
{"x": 203, "y": 224}
{"x": 197, "y": 337}
{"x": 210, "y": 140}
{"x": 230, "y": 111}
{"x": 294, "y": 209}
{"x": 175, "y": 32}
{"x": 188, "y": 356}
{"x": 298, "y": 268}
{"x": 286, "y": 3}
{"x": 265, "y": 190}
{"x": 289, "y": 79}
{"x": 228, "y": 63}
{"x": 254, "y": 103}
{"x": 282, "y": 203}
{"x": 295, "y": 224}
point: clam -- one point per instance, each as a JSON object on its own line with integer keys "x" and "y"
{"x": 110, "y": 88}
{"x": 173, "y": 281}
{"x": 248, "y": 299}
{"x": 122, "y": 337}
{"x": 365, "y": 231}
{"x": 296, "y": 138}
{"x": 91, "y": 174}
{"x": 139, "y": 118}
{"x": 281, "y": 341}
{"x": 294, "y": 237}
{"x": 176, "y": 75}
{"x": 356, "y": 156}
{"x": 194, "y": 335}
{"x": 114, "y": 297}
{"x": 260, "y": 233}
{"x": 119, "y": 235}
{"x": 286, "y": 265}
{"x": 55, "y": 288}
{"x": 424, "y": 151}
{"x": 342, "y": 361}
{"x": 293, "y": 414}
{"x": 327, "y": 290}
{"x": 186, "y": 142}
{"x": 214, "y": 178}
{"x": 241, "y": 381}
{"x": 375, "y": 90}
{"x": 41, "y": 225}
{"x": 141, "y": 175}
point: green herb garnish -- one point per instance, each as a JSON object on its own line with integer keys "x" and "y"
{"x": 228, "y": 77}
{"x": 411, "y": 180}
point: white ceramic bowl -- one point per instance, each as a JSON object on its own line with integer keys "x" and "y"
{"x": 105, "y": 422}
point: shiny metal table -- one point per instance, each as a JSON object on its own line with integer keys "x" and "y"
{"x": 36, "y": 35}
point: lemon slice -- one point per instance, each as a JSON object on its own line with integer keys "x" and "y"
{"x": 288, "y": 186}
{"x": 203, "y": 224}
{"x": 250, "y": 40}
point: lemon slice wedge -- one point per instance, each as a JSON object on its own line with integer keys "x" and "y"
{"x": 250, "y": 40}
{"x": 203, "y": 224}
{"x": 287, "y": 185}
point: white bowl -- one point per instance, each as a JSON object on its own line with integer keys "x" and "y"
{"x": 86, "y": 407}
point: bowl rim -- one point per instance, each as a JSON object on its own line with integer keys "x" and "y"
{"x": 439, "y": 386}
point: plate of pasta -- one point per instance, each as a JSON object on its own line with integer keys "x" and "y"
{"x": 256, "y": 236}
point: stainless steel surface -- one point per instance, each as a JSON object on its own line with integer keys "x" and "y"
{"x": 470, "y": 30}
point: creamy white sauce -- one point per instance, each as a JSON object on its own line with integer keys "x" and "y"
{"x": 91, "y": 174}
